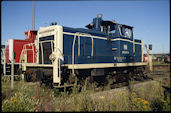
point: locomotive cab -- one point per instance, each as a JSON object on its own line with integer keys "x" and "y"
{"x": 111, "y": 28}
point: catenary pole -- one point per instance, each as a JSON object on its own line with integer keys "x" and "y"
{"x": 12, "y": 72}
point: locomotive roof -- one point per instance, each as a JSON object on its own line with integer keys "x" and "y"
{"x": 83, "y": 30}
{"x": 106, "y": 23}
{"x": 91, "y": 31}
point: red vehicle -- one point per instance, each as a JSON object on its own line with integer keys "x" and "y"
{"x": 167, "y": 59}
{"x": 145, "y": 58}
{"x": 15, "y": 46}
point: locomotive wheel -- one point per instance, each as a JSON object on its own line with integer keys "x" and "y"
{"x": 82, "y": 81}
{"x": 121, "y": 78}
{"x": 27, "y": 75}
{"x": 90, "y": 79}
{"x": 33, "y": 76}
{"x": 109, "y": 79}
{"x": 30, "y": 76}
{"x": 27, "y": 78}
{"x": 91, "y": 83}
{"x": 71, "y": 79}
{"x": 39, "y": 75}
{"x": 19, "y": 71}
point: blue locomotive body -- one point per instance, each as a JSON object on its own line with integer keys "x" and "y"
{"x": 100, "y": 47}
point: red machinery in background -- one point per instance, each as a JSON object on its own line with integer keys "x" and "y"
{"x": 15, "y": 49}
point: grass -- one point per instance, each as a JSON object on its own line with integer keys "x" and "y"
{"x": 35, "y": 98}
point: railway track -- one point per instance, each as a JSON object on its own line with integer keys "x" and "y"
{"x": 123, "y": 84}
{"x": 150, "y": 76}
{"x": 158, "y": 77}
{"x": 123, "y": 89}
{"x": 161, "y": 65}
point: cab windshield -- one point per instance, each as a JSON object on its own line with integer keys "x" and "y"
{"x": 126, "y": 32}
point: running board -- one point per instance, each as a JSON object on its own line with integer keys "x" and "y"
{"x": 103, "y": 65}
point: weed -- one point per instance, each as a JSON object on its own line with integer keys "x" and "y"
{"x": 20, "y": 102}
{"x": 34, "y": 98}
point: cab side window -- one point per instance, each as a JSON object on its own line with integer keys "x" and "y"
{"x": 126, "y": 32}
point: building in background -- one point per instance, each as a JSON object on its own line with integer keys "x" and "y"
{"x": 161, "y": 57}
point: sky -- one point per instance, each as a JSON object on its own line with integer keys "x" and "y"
{"x": 150, "y": 18}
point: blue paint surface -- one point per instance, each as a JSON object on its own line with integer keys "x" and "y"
{"x": 102, "y": 51}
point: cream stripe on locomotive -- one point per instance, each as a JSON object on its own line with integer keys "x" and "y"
{"x": 103, "y": 65}
{"x": 88, "y": 35}
{"x": 87, "y": 66}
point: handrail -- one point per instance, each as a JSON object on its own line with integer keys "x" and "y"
{"x": 41, "y": 42}
{"x": 73, "y": 45}
{"x": 24, "y": 51}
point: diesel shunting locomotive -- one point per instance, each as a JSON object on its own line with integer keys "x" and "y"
{"x": 101, "y": 50}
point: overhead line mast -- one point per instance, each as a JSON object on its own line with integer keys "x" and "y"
{"x": 33, "y": 15}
